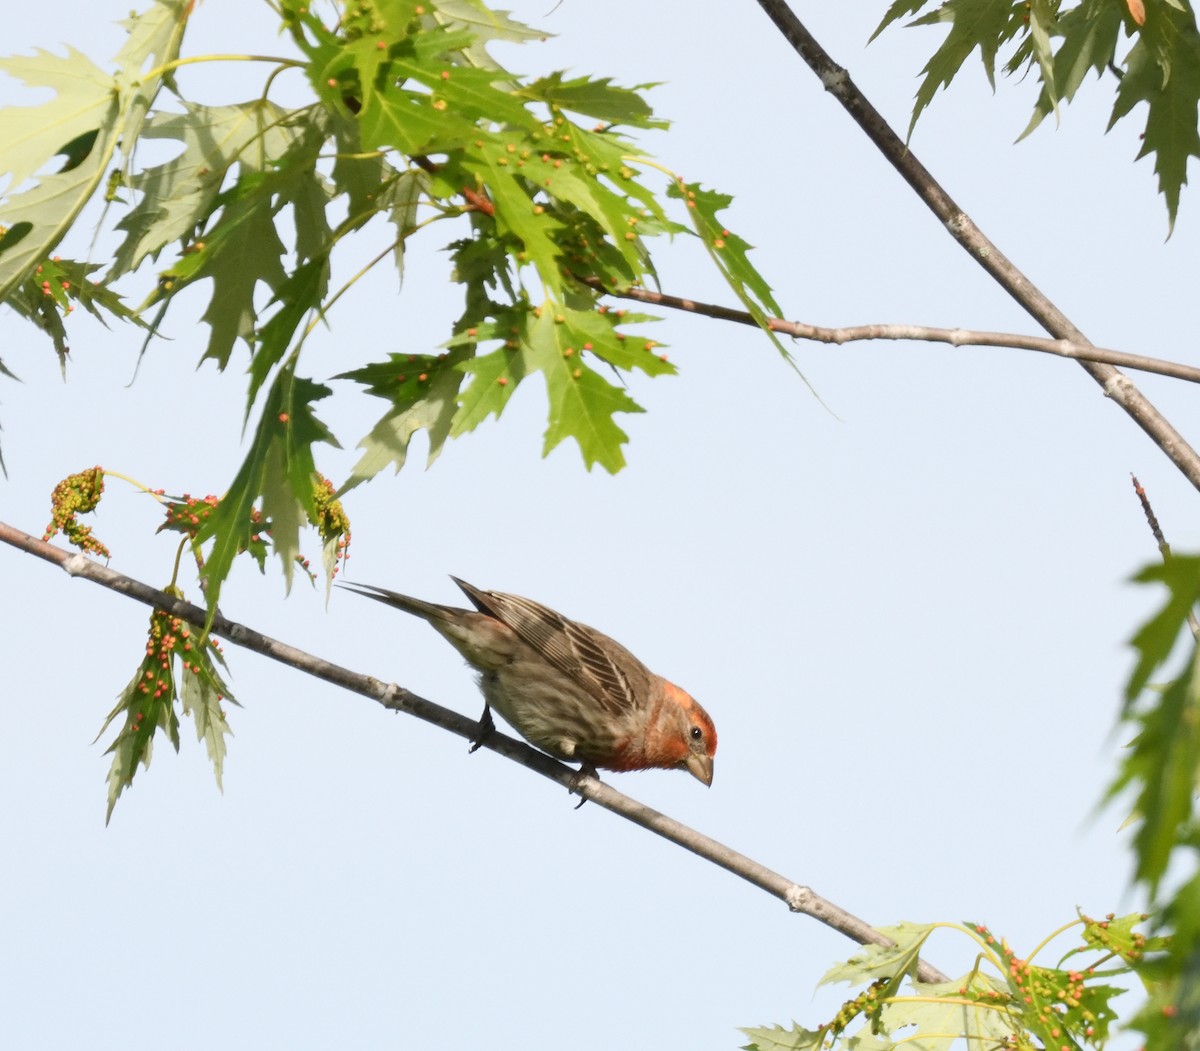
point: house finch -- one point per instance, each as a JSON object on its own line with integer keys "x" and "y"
{"x": 565, "y": 687}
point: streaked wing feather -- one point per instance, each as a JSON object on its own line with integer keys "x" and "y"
{"x": 600, "y": 667}
{"x": 571, "y": 648}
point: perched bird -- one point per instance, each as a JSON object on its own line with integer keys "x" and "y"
{"x": 565, "y": 687}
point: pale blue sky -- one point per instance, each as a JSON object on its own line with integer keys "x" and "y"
{"x": 908, "y": 621}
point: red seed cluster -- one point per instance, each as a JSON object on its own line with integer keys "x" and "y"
{"x": 189, "y": 513}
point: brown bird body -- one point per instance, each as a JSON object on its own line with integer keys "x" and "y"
{"x": 566, "y": 687}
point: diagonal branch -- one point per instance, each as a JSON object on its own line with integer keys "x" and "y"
{"x": 798, "y": 898}
{"x": 960, "y": 226}
{"x": 956, "y": 337}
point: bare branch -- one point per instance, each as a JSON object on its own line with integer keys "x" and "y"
{"x": 798, "y": 898}
{"x": 960, "y": 226}
{"x": 956, "y": 337}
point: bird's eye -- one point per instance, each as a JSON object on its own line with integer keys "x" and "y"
{"x": 697, "y": 734}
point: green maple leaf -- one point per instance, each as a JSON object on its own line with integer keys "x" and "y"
{"x": 298, "y": 293}
{"x": 1043, "y": 19}
{"x": 54, "y": 287}
{"x": 776, "y": 1038}
{"x": 422, "y": 390}
{"x": 146, "y": 714}
{"x": 1163, "y": 70}
{"x": 357, "y": 173}
{"x": 401, "y": 197}
{"x": 983, "y": 25}
{"x": 615, "y": 217}
{"x": 937, "y": 1018}
{"x": 1119, "y": 934}
{"x": 1163, "y": 766}
{"x": 407, "y": 119}
{"x": 34, "y": 135}
{"x": 899, "y": 9}
{"x": 485, "y": 26}
{"x": 176, "y": 197}
{"x": 1089, "y": 40}
{"x": 1157, "y": 638}
{"x": 893, "y": 962}
{"x": 582, "y": 406}
{"x": 480, "y": 96}
{"x": 400, "y": 42}
{"x": 492, "y": 380}
{"x": 92, "y": 112}
{"x": 481, "y": 265}
{"x": 295, "y": 184}
{"x": 176, "y": 666}
{"x": 597, "y": 98}
{"x": 605, "y": 154}
{"x": 1171, "y": 1016}
{"x": 369, "y": 72}
{"x": 729, "y": 252}
{"x": 290, "y": 474}
{"x": 280, "y": 470}
{"x": 275, "y": 152}
{"x": 493, "y": 160}
{"x": 1058, "y": 1018}
{"x": 240, "y": 251}
{"x": 410, "y": 77}
{"x": 558, "y": 342}
{"x": 599, "y": 332}
{"x": 203, "y": 697}
{"x": 563, "y": 198}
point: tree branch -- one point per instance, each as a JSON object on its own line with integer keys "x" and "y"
{"x": 957, "y": 337}
{"x": 798, "y": 898}
{"x": 959, "y": 225}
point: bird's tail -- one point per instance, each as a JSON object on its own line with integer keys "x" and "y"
{"x": 429, "y": 611}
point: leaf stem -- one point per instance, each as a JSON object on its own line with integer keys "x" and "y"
{"x": 637, "y": 158}
{"x": 135, "y": 483}
{"x": 987, "y": 952}
{"x": 1050, "y": 937}
{"x": 174, "y": 64}
{"x": 183, "y": 540}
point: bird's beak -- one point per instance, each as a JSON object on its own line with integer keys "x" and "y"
{"x": 700, "y": 767}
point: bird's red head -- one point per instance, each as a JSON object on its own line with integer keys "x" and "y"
{"x": 691, "y": 736}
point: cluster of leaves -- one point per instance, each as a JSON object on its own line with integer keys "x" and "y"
{"x": 1161, "y": 768}
{"x": 93, "y": 114}
{"x": 1061, "y": 43}
{"x": 1005, "y": 1001}
{"x": 179, "y": 669}
{"x": 547, "y": 200}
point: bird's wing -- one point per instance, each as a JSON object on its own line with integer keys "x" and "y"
{"x": 602, "y": 666}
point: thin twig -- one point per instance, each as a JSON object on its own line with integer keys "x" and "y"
{"x": 798, "y": 898}
{"x": 956, "y": 337}
{"x": 960, "y": 226}
{"x": 1161, "y": 540}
